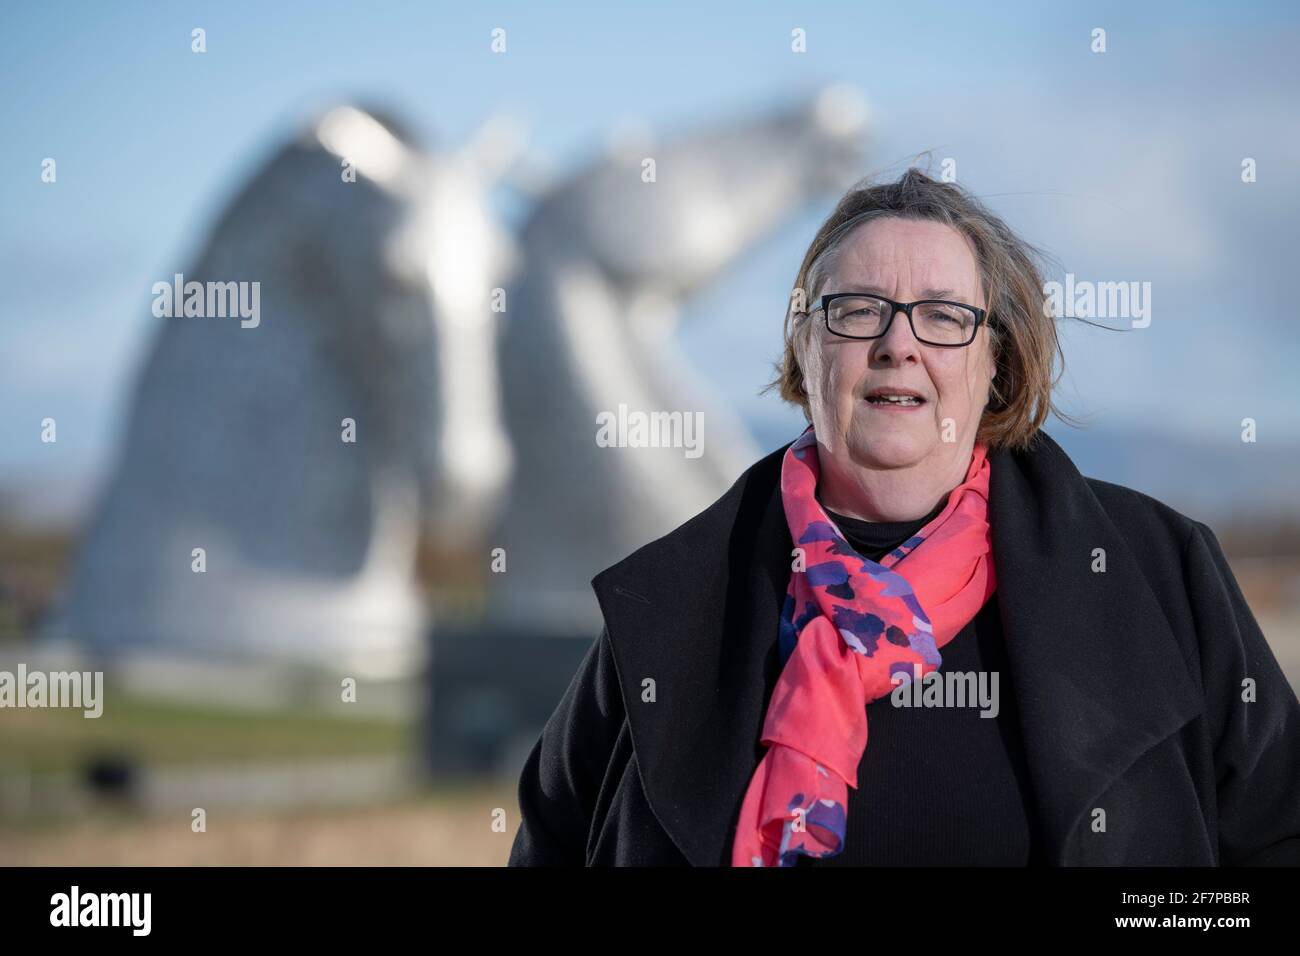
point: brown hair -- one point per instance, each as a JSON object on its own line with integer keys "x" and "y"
{"x": 1023, "y": 332}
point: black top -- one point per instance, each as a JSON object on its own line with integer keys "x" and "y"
{"x": 939, "y": 786}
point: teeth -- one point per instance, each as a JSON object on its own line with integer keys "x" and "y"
{"x": 896, "y": 399}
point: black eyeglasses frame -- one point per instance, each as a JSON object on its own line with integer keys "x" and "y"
{"x": 981, "y": 316}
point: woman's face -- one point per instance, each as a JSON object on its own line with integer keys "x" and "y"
{"x": 904, "y": 260}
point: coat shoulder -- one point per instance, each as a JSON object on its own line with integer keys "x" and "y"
{"x": 1141, "y": 516}
{"x": 708, "y": 529}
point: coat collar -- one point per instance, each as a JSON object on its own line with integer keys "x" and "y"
{"x": 1098, "y": 675}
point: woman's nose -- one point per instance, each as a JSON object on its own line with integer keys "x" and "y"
{"x": 898, "y": 342}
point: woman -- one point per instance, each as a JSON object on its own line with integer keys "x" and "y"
{"x": 921, "y": 529}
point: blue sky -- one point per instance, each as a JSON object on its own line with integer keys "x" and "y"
{"x": 1125, "y": 166}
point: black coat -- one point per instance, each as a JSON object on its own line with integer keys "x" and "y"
{"x": 1129, "y": 684}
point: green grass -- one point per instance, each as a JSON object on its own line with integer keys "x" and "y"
{"x": 170, "y": 733}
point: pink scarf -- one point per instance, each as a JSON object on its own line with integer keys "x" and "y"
{"x": 858, "y": 624}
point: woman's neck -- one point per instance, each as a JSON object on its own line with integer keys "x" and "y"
{"x": 886, "y": 494}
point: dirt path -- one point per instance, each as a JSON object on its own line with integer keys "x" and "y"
{"x": 441, "y": 832}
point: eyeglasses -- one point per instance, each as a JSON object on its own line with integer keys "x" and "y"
{"x": 853, "y": 315}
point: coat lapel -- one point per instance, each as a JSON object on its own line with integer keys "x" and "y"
{"x": 697, "y": 612}
{"x": 1097, "y": 672}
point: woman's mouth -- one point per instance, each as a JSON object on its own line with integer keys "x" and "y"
{"x": 895, "y": 402}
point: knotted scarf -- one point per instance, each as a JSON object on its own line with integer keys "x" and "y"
{"x": 848, "y": 627}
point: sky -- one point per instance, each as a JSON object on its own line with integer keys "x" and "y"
{"x": 1123, "y": 166}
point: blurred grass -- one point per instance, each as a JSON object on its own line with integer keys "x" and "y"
{"x": 162, "y": 732}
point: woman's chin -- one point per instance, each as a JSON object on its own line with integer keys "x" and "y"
{"x": 889, "y": 448}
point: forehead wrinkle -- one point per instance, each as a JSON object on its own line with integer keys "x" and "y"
{"x": 868, "y": 263}
{"x": 909, "y": 250}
